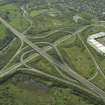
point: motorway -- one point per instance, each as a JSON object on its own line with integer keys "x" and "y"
{"x": 60, "y": 65}
{"x": 22, "y": 43}
{"x": 70, "y": 83}
{"x": 15, "y": 66}
{"x": 59, "y": 55}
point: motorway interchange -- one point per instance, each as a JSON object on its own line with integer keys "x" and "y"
{"x": 69, "y": 76}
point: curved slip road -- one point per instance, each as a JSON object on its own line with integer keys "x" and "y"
{"x": 59, "y": 55}
{"x": 14, "y": 56}
{"x": 15, "y": 66}
{"x": 99, "y": 70}
{"x": 26, "y": 18}
{"x": 22, "y": 43}
{"x": 57, "y": 79}
{"x": 51, "y": 33}
{"x": 67, "y": 69}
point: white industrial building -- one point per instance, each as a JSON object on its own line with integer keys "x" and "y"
{"x": 95, "y": 44}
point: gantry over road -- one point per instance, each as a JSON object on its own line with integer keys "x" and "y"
{"x": 53, "y": 61}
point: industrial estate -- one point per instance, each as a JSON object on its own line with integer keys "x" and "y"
{"x": 52, "y": 52}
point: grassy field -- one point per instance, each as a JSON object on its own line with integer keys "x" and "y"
{"x": 2, "y": 32}
{"x": 14, "y": 16}
{"x": 23, "y": 94}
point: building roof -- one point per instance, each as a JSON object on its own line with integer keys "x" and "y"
{"x": 95, "y": 44}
